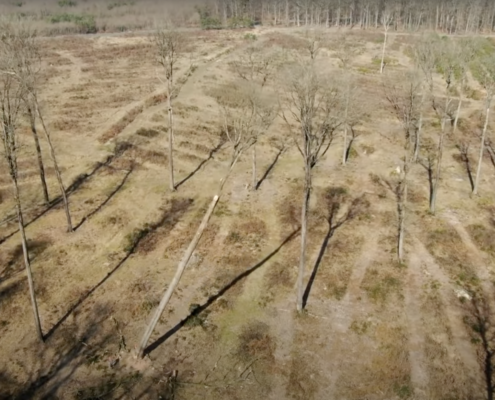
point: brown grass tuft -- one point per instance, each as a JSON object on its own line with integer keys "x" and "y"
{"x": 121, "y": 125}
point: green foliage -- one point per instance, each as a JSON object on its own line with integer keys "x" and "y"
{"x": 483, "y": 63}
{"x": 387, "y": 61}
{"x": 67, "y": 3}
{"x": 117, "y": 4}
{"x": 206, "y": 19}
{"x": 240, "y": 22}
{"x": 86, "y": 22}
{"x": 250, "y": 36}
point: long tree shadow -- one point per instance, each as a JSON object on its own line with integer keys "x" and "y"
{"x": 109, "y": 197}
{"x": 464, "y": 157}
{"x": 491, "y": 151}
{"x": 480, "y": 320}
{"x": 270, "y": 167}
{"x": 354, "y": 136}
{"x": 428, "y": 166}
{"x": 43, "y": 372}
{"x": 169, "y": 218}
{"x": 73, "y": 187}
{"x": 200, "y": 165}
{"x": 221, "y": 292}
{"x": 334, "y": 197}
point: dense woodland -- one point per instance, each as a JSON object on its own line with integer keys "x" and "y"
{"x": 453, "y": 17}
{"x": 446, "y": 16}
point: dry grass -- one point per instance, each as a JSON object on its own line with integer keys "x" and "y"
{"x": 449, "y": 251}
{"x": 382, "y": 282}
{"x": 483, "y": 237}
{"x": 384, "y": 373}
{"x": 303, "y": 378}
{"x": 255, "y": 342}
{"x": 121, "y": 125}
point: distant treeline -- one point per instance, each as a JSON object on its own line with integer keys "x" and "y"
{"x": 449, "y": 16}
{"x": 90, "y": 16}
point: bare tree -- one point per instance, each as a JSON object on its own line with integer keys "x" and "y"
{"x": 403, "y": 94}
{"x": 353, "y": 111}
{"x": 20, "y": 39}
{"x": 19, "y": 44}
{"x": 485, "y": 72}
{"x": 11, "y": 101}
{"x": 169, "y": 44}
{"x": 346, "y": 50}
{"x": 315, "y": 40}
{"x": 312, "y": 104}
{"x": 386, "y": 21}
{"x": 425, "y": 56}
{"x": 465, "y": 52}
{"x": 447, "y": 62}
{"x": 256, "y": 67}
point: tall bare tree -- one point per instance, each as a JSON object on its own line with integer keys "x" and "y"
{"x": 404, "y": 95}
{"x": 353, "y": 110}
{"x": 447, "y": 61}
{"x": 386, "y": 21}
{"x": 256, "y": 67}
{"x": 465, "y": 51}
{"x": 169, "y": 44}
{"x": 20, "y": 45}
{"x": 485, "y": 73}
{"x": 425, "y": 57}
{"x": 21, "y": 40}
{"x": 11, "y": 101}
{"x": 312, "y": 104}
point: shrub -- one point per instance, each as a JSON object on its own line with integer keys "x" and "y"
{"x": 240, "y": 22}
{"x": 111, "y": 6}
{"x": 250, "y": 36}
{"x": 67, "y": 3}
{"x": 206, "y": 19}
{"x": 86, "y": 23}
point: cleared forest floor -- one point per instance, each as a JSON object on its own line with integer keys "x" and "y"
{"x": 372, "y": 329}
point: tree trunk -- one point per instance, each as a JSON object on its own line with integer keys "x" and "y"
{"x": 346, "y": 113}
{"x": 57, "y": 170}
{"x": 41, "y": 168}
{"x": 458, "y": 112}
{"x": 170, "y": 138}
{"x": 304, "y": 228}
{"x": 344, "y": 154}
{"x": 383, "y": 52}
{"x": 482, "y": 148}
{"x": 27, "y": 264}
{"x": 255, "y": 182}
{"x": 417, "y": 139}
{"x": 402, "y": 212}
{"x": 436, "y": 179}
{"x": 180, "y": 269}
{"x": 287, "y": 22}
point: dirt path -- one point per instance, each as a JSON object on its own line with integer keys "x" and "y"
{"x": 342, "y": 313}
{"x": 412, "y": 300}
{"x": 481, "y": 268}
{"x": 460, "y": 338}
